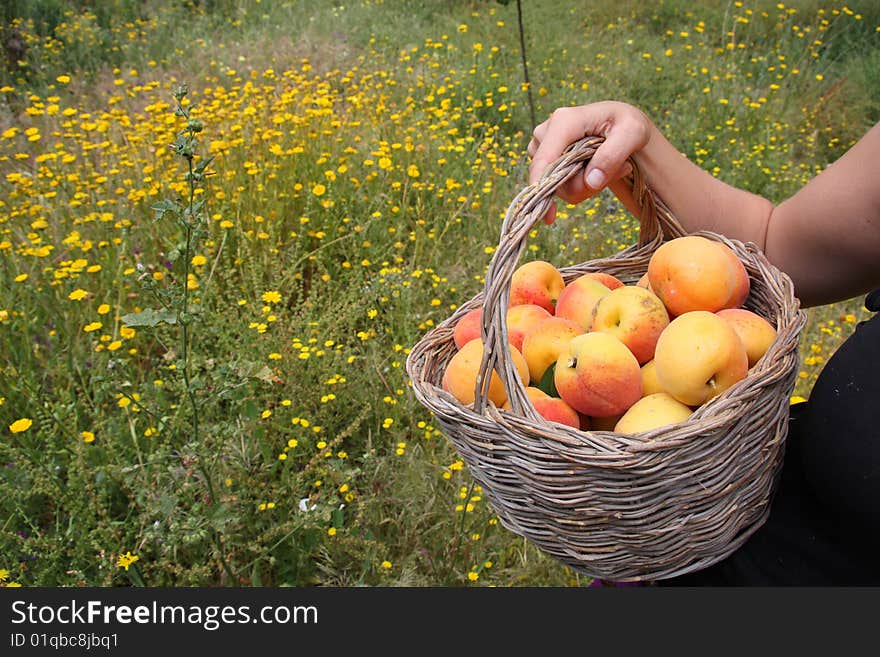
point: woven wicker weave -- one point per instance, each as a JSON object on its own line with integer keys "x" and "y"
{"x": 625, "y": 508}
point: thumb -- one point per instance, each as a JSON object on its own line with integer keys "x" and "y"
{"x": 609, "y": 162}
{"x": 597, "y": 176}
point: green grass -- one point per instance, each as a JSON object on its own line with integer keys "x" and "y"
{"x": 364, "y": 156}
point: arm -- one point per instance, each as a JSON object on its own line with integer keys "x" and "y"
{"x": 826, "y": 236}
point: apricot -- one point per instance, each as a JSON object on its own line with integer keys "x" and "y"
{"x": 695, "y": 273}
{"x": 460, "y": 376}
{"x": 537, "y": 282}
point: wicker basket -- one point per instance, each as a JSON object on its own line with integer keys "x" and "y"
{"x": 649, "y": 506}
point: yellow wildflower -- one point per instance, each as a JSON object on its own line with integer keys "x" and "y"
{"x": 20, "y": 425}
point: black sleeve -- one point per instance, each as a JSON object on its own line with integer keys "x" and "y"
{"x": 840, "y": 440}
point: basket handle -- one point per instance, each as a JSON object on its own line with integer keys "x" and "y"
{"x": 527, "y": 209}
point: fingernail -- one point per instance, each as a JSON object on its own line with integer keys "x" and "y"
{"x": 596, "y": 178}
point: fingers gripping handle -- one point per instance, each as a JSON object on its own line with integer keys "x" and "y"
{"x": 526, "y": 210}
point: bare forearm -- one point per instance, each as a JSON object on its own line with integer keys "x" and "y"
{"x": 827, "y": 235}
{"x": 697, "y": 199}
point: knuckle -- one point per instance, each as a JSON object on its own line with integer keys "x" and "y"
{"x": 561, "y": 113}
{"x": 539, "y": 131}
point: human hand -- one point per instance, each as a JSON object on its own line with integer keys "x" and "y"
{"x": 626, "y": 130}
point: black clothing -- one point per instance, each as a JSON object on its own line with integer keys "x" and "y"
{"x": 824, "y": 523}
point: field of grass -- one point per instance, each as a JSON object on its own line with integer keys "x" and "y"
{"x": 203, "y": 371}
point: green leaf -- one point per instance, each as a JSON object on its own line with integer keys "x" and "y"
{"x": 249, "y": 370}
{"x": 219, "y": 517}
{"x": 197, "y": 208}
{"x": 256, "y": 580}
{"x": 250, "y": 409}
{"x": 548, "y": 381}
{"x": 149, "y": 317}
{"x": 161, "y": 207}
{"x": 201, "y": 166}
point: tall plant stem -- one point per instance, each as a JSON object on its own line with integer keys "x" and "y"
{"x": 190, "y": 219}
{"x": 525, "y": 62}
{"x": 185, "y": 343}
{"x": 184, "y": 329}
